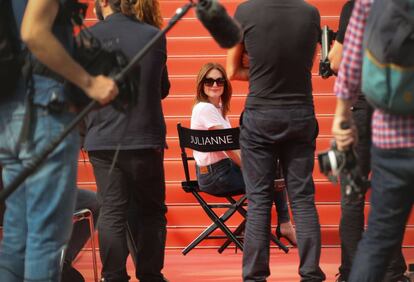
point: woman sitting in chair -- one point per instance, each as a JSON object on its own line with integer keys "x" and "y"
{"x": 219, "y": 173}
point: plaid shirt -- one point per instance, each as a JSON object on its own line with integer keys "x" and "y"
{"x": 389, "y": 131}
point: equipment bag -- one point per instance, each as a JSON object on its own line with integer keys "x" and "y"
{"x": 388, "y": 61}
{"x": 10, "y": 63}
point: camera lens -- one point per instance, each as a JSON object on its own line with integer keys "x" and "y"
{"x": 324, "y": 163}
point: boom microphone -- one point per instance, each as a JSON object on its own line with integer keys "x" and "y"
{"x": 225, "y": 31}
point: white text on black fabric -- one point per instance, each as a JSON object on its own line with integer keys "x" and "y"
{"x": 216, "y": 140}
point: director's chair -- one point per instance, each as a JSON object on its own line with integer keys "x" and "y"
{"x": 213, "y": 141}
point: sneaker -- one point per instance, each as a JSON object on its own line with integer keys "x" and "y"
{"x": 70, "y": 274}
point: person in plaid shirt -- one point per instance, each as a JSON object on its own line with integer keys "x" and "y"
{"x": 392, "y": 159}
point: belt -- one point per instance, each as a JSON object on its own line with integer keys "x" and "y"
{"x": 209, "y": 168}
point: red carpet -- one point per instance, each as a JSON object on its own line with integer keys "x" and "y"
{"x": 207, "y": 265}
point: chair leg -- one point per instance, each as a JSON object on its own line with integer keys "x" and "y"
{"x": 236, "y": 232}
{"x": 243, "y": 212}
{"x": 93, "y": 246}
{"x": 208, "y": 230}
{"x": 219, "y": 221}
{"x": 200, "y": 238}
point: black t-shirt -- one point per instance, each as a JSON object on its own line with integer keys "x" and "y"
{"x": 344, "y": 20}
{"x": 280, "y": 37}
{"x": 343, "y": 24}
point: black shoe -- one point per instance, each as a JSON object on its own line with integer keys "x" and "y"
{"x": 339, "y": 278}
{"x": 404, "y": 279}
{"x": 70, "y": 274}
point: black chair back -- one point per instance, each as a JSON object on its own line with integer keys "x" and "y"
{"x": 205, "y": 141}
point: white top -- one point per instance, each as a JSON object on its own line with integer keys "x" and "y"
{"x": 204, "y": 116}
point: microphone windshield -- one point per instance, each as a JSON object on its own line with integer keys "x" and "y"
{"x": 225, "y": 31}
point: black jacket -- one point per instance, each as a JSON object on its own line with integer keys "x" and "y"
{"x": 144, "y": 127}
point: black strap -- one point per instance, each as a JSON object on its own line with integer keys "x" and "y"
{"x": 27, "y": 72}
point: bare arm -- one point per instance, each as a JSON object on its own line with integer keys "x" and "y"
{"x": 235, "y": 68}
{"x": 234, "y": 155}
{"x": 344, "y": 137}
{"x": 36, "y": 32}
{"x": 335, "y": 56}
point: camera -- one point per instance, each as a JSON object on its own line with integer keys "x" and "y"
{"x": 327, "y": 38}
{"x": 334, "y": 163}
{"x": 97, "y": 60}
{"x": 90, "y": 53}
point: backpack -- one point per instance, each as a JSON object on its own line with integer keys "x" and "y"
{"x": 388, "y": 61}
{"x": 10, "y": 61}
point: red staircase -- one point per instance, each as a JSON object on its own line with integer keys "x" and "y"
{"x": 189, "y": 47}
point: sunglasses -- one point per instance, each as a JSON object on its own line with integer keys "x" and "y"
{"x": 210, "y": 81}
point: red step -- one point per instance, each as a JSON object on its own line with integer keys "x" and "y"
{"x": 191, "y": 27}
{"x": 174, "y": 151}
{"x": 179, "y": 47}
{"x": 178, "y": 215}
{"x": 191, "y": 65}
{"x": 325, "y": 7}
{"x": 325, "y": 124}
{"x": 196, "y": 46}
{"x": 169, "y": 7}
{"x": 186, "y": 85}
{"x": 190, "y": 46}
{"x": 325, "y": 192}
{"x": 183, "y": 105}
{"x": 181, "y": 237}
{"x": 173, "y": 171}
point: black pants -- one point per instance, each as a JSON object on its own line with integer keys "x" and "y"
{"x": 287, "y": 133}
{"x": 138, "y": 175}
{"x": 351, "y": 225}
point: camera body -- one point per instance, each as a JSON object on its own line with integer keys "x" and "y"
{"x": 334, "y": 163}
{"x": 98, "y": 60}
{"x": 325, "y": 70}
{"x": 327, "y": 37}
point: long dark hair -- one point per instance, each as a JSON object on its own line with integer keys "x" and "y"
{"x": 148, "y": 11}
{"x": 227, "y": 92}
{"x": 126, "y": 7}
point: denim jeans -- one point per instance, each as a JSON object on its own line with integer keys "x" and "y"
{"x": 226, "y": 178}
{"x": 38, "y": 217}
{"x": 287, "y": 133}
{"x": 351, "y": 225}
{"x": 392, "y": 199}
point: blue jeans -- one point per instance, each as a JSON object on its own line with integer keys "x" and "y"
{"x": 392, "y": 199}
{"x": 38, "y": 217}
{"x": 226, "y": 178}
{"x": 351, "y": 225}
